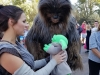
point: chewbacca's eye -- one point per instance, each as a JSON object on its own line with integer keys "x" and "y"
{"x": 49, "y": 11}
{"x": 59, "y": 12}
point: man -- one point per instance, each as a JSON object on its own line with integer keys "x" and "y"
{"x": 96, "y": 24}
{"x": 79, "y": 29}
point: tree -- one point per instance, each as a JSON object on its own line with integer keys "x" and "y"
{"x": 98, "y": 1}
{"x": 98, "y": 10}
{"x": 84, "y": 9}
{"x": 5, "y": 2}
{"x": 29, "y": 7}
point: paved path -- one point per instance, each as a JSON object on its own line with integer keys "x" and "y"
{"x": 85, "y": 70}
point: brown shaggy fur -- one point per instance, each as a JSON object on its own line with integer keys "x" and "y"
{"x": 43, "y": 29}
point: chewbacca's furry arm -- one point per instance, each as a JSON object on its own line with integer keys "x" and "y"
{"x": 74, "y": 46}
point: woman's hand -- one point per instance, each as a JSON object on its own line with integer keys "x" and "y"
{"x": 60, "y": 57}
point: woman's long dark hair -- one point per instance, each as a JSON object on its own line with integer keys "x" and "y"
{"x": 6, "y": 12}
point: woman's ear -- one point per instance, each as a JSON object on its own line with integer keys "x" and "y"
{"x": 11, "y": 22}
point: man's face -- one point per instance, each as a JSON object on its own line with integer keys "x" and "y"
{"x": 96, "y": 24}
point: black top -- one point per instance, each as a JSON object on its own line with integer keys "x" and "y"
{"x": 11, "y": 51}
{"x": 88, "y": 33}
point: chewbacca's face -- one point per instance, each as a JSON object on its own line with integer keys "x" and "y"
{"x": 55, "y": 11}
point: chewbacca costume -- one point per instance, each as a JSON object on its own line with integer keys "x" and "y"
{"x": 43, "y": 30}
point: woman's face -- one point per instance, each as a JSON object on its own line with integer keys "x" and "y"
{"x": 20, "y": 25}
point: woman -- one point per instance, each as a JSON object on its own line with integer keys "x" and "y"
{"x": 83, "y": 33}
{"x": 88, "y": 30}
{"x": 14, "y": 58}
{"x": 94, "y": 53}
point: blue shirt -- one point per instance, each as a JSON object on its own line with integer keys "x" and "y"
{"x": 94, "y": 42}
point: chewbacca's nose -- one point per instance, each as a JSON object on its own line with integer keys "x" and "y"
{"x": 55, "y": 17}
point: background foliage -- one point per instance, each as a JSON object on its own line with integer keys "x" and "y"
{"x": 29, "y": 7}
{"x": 88, "y": 10}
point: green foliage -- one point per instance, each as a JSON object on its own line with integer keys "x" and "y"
{"x": 85, "y": 9}
{"x": 29, "y": 7}
{"x": 5, "y": 2}
{"x": 98, "y": 1}
{"x": 18, "y": 2}
{"x": 81, "y": 1}
{"x": 98, "y": 11}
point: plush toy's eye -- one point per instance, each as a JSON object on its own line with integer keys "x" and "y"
{"x": 55, "y": 46}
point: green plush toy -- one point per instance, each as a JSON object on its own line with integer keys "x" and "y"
{"x": 62, "y": 40}
{"x": 59, "y": 42}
